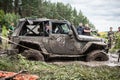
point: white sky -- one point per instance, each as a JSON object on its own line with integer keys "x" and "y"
{"x": 102, "y": 13}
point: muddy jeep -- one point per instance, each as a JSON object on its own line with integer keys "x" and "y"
{"x": 41, "y": 39}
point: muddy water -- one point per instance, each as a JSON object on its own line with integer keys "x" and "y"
{"x": 113, "y": 61}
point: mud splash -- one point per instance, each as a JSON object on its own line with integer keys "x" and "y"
{"x": 113, "y": 60}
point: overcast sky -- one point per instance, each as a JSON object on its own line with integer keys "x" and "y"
{"x": 102, "y": 13}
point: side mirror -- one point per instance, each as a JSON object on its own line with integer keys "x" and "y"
{"x": 70, "y": 33}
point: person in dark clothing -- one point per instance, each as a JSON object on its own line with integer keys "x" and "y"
{"x": 118, "y": 55}
{"x": 80, "y": 29}
{"x": 110, "y": 37}
{"x": 117, "y": 42}
{"x": 110, "y": 32}
{"x": 86, "y": 30}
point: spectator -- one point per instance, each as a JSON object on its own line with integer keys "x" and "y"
{"x": 117, "y": 42}
{"x": 118, "y": 55}
{"x": 110, "y": 38}
{"x": 118, "y": 29}
{"x": 117, "y": 39}
{"x": 87, "y": 30}
{"x": 11, "y": 28}
{"x": 80, "y": 29}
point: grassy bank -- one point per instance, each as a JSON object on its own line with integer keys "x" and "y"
{"x": 59, "y": 72}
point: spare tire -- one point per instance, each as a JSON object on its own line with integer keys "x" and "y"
{"x": 33, "y": 55}
{"x": 97, "y": 55}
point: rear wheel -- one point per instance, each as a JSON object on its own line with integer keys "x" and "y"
{"x": 33, "y": 55}
{"x": 97, "y": 55}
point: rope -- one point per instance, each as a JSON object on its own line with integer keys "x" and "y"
{"x": 16, "y": 43}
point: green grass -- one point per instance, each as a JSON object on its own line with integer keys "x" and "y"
{"x": 59, "y": 72}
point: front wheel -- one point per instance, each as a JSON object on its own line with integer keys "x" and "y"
{"x": 33, "y": 55}
{"x": 97, "y": 55}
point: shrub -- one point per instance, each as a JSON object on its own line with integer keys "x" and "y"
{"x": 11, "y": 17}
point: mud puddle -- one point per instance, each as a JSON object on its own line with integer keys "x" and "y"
{"x": 113, "y": 61}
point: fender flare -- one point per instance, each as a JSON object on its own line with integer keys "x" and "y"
{"x": 93, "y": 45}
{"x": 40, "y": 46}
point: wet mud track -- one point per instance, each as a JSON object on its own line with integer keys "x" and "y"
{"x": 113, "y": 61}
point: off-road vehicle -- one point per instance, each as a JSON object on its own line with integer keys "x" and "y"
{"x": 41, "y": 39}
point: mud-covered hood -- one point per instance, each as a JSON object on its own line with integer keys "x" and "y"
{"x": 90, "y": 38}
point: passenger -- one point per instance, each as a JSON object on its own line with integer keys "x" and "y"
{"x": 110, "y": 38}
{"x": 80, "y": 29}
{"x": 87, "y": 30}
{"x": 57, "y": 30}
{"x": 47, "y": 29}
{"x": 40, "y": 31}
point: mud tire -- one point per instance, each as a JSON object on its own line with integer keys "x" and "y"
{"x": 33, "y": 55}
{"x": 97, "y": 55}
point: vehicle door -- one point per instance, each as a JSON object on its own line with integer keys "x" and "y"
{"x": 60, "y": 42}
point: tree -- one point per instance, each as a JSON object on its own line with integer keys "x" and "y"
{"x": 44, "y": 9}
{"x": 11, "y": 17}
{"x": 1, "y": 15}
